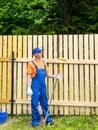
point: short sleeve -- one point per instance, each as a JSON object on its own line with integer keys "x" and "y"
{"x": 31, "y": 69}
{"x": 47, "y": 70}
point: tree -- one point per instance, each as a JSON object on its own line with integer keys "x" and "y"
{"x": 48, "y": 16}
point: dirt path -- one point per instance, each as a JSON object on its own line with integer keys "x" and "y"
{"x": 8, "y": 122}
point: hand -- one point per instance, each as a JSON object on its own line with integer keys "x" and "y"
{"x": 57, "y": 76}
{"x": 29, "y": 91}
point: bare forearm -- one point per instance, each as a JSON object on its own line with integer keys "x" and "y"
{"x": 29, "y": 80}
{"x": 50, "y": 76}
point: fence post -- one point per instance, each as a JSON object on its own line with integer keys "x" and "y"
{"x": 12, "y": 86}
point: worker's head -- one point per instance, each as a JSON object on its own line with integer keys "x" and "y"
{"x": 37, "y": 53}
{"x": 36, "y": 50}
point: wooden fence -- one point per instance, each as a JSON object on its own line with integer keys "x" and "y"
{"x": 77, "y": 90}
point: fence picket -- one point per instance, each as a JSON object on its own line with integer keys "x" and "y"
{"x": 24, "y": 66}
{"x": 81, "y": 73}
{"x": 91, "y": 71}
{"x": 66, "y": 110}
{"x": 1, "y": 71}
{"x": 19, "y": 79}
{"x": 35, "y": 41}
{"x": 96, "y": 70}
{"x": 71, "y": 73}
{"x": 30, "y": 46}
{"x": 4, "y": 80}
{"x": 45, "y": 47}
{"x": 9, "y": 72}
{"x": 15, "y": 71}
{"x": 55, "y": 72}
{"x": 50, "y": 81}
{"x": 61, "y": 86}
{"x": 87, "y": 90}
{"x": 76, "y": 88}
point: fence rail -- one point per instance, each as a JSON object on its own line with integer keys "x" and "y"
{"x": 76, "y": 91}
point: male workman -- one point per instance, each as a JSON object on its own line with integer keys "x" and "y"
{"x": 37, "y": 71}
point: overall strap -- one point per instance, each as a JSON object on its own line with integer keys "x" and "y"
{"x": 34, "y": 65}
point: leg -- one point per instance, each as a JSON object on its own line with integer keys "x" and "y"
{"x": 34, "y": 108}
{"x": 44, "y": 105}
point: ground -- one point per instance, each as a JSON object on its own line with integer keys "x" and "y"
{"x": 82, "y": 122}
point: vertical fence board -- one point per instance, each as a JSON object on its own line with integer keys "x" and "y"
{"x": 81, "y": 73}
{"x": 55, "y": 72}
{"x": 66, "y": 110}
{"x": 91, "y": 70}
{"x": 14, "y": 43}
{"x": 1, "y": 71}
{"x": 86, "y": 47}
{"x": 96, "y": 68}
{"x": 61, "y": 86}
{"x": 34, "y": 41}
{"x": 40, "y": 41}
{"x": 15, "y": 71}
{"x": 50, "y": 56}
{"x": 19, "y": 80}
{"x": 30, "y": 46}
{"x": 71, "y": 73}
{"x": 24, "y": 86}
{"x": 4, "y": 88}
{"x": 76, "y": 83}
{"x": 30, "y": 56}
{"x": 45, "y": 48}
{"x": 9, "y": 72}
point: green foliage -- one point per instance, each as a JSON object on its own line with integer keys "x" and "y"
{"x": 48, "y": 16}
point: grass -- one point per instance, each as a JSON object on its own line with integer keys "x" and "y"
{"x": 81, "y": 122}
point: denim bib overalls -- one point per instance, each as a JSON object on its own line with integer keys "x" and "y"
{"x": 38, "y": 87}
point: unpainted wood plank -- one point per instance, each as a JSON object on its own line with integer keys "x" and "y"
{"x": 19, "y": 73}
{"x": 1, "y": 71}
{"x": 76, "y": 80}
{"x": 9, "y": 85}
{"x": 96, "y": 69}
{"x": 4, "y": 85}
{"x": 61, "y": 85}
{"x": 81, "y": 76}
{"x": 71, "y": 74}
{"x": 24, "y": 86}
{"x": 31, "y": 43}
{"x": 91, "y": 40}
{"x": 30, "y": 46}
{"x": 40, "y": 40}
{"x": 87, "y": 90}
{"x": 55, "y": 72}
{"x": 35, "y": 41}
{"x": 65, "y": 76}
{"x": 50, "y": 55}
{"x": 45, "y": 46}
{"x": 15, "y": 49}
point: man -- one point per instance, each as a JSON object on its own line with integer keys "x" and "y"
{"x": 37, "y": 71}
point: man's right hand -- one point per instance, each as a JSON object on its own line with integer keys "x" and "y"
{"x": 29, "y": 91}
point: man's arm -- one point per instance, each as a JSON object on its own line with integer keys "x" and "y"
{"x": 29, "y": 90}
{"x": 29, "y": 80}
{"x": 50, "y": 75}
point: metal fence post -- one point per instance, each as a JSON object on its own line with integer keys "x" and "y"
{"x": 12, "y": 86}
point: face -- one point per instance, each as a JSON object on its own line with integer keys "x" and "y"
{"x": 38, "y": 55}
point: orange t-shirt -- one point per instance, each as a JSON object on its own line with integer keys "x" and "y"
{"x": 31, "y": 69}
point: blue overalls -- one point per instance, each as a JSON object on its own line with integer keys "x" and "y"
{"x": 39, "y": 95}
